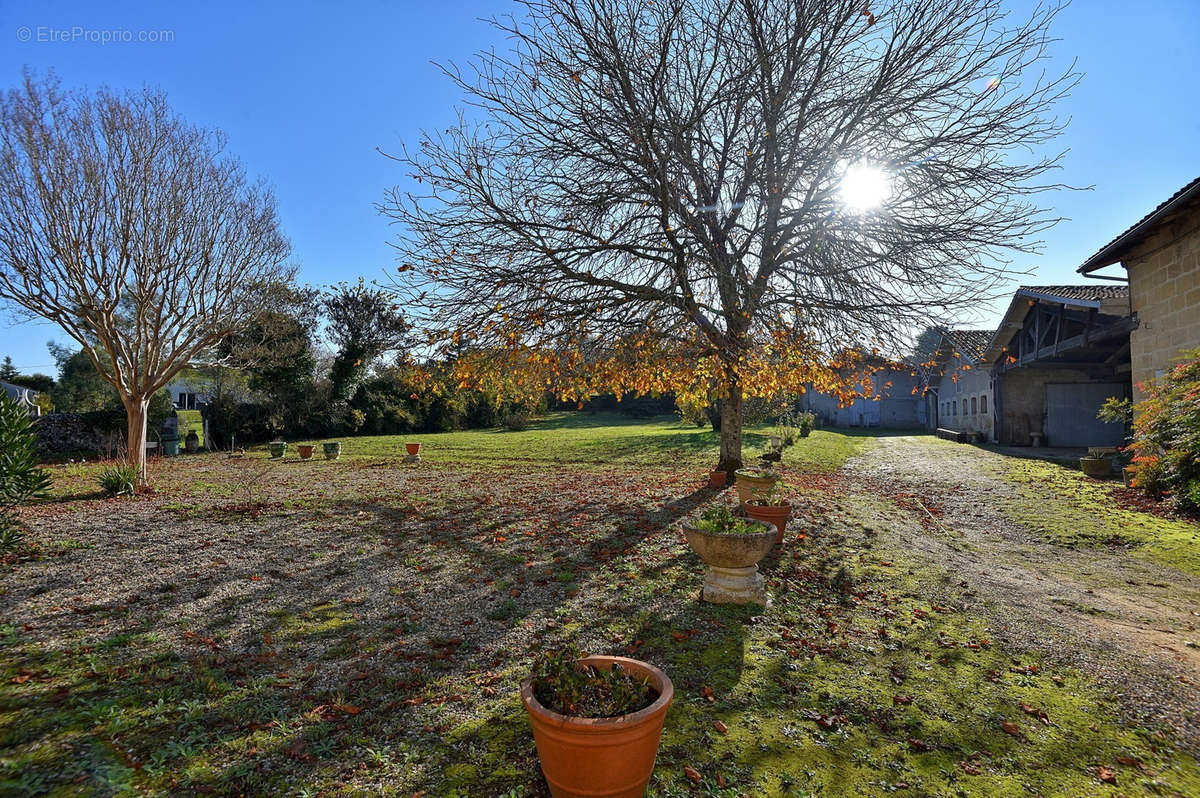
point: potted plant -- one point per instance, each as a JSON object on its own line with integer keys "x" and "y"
{"x": 597, "y": 722}
{"x": 731, "y": 548}
{"x": 1096, "y": 467}
{"x": 753, "y": 482}
{"x": 771, "y": 508}
{"x": 277, "y": 448}
{"x": 306, "y": 450}
{"x": 805, "y": 423}
{"x": 413, "y": 449}
{"x": 332, "y": 449}
{"x": 716, "y": 479}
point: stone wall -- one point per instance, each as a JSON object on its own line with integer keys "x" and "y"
{"x": 1164, "y": 289}
{"x": 965, "y": 398}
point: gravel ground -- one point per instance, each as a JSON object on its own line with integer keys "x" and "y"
{"x": 1128, "y": 620}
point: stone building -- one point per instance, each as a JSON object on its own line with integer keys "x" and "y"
{"x": 891, "y": 399}
{"x": 959, "y": 398}
{"x": 1161, "y": 258}
{"x": 1059, "y": 353}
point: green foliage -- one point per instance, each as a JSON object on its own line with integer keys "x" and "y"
{"x": 1166, "y": 434}
{"x": 20, "y": 478}
{"x": 364, "y": 323}
{"x": 190, "y": 421}
{"x": 720, "y": 520}
{"x": 562, "y": 685}
{"x": 692, "y": 412}
{"x": 118, "y": 479}
{"x": 7, "y": 370}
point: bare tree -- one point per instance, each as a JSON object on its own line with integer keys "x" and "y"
{"x": 134, "y": 231}
{"x": 707, "y": 170}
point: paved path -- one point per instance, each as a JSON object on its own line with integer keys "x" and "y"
{"x": 1120, "y": 616}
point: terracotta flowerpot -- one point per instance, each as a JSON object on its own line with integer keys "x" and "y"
{"x": 771, "y": 514}
{"x": 333, "y": 450}
{"x": 732, "y": 575}
{"x": 612, "y": 757}
{"x": 1096, "y": 467}
{"x": 751, "y": 484}
{"x": 278, "y": 449}
{"x": 716, "y": 479}
{"x": 306, "y": 450}
{"x": 413, "y": 449}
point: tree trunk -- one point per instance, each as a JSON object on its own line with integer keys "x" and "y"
{"x": 136, "y": 410}
{"x": 731, "y": 431}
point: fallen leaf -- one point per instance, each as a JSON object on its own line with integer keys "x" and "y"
{"x": 692, "y": 774}
{"x": 1106, "y": 774}
{"x": 721, "y": 727}
{"x": 1011, "y": 728}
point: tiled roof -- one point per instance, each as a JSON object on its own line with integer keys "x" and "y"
{"x": 1087, "y": 293}
{"x": 970, "y": 343}
{"x": 1112, "y": 252}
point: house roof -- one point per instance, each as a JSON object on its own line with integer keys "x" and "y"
{"x": 1116, "y": 249}
{"x": 969, "y": 343}
{"x": 1109, "y": 298}
{"x": 1081, "y": 295}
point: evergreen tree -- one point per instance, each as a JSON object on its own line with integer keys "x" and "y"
{"x": 20, "y": 478}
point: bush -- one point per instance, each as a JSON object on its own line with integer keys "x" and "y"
{"x": 1166, "y": 434}
{"x": 119, "y": 479}
{"x": 20, "y": 478}
{"x": 516, "y": 420}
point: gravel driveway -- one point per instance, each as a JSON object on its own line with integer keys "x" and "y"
{"x": 1125, "y": 618}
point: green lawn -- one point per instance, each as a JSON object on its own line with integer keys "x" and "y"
{"x": 362, "y": 626}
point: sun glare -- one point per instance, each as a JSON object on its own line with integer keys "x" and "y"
{"x": 865, "y": 187}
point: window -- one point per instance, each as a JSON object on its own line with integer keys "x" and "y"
{"x": 974, "y": 406}
{"x": 983, "y": 403}
{"x": 954, "y": 407}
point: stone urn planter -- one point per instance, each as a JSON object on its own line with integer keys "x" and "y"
{"x": 1096, "y": 467}
{"x": 306, "y": 450}
{"x": 776, "y": 514}
{"x": 277, "y": 448}
{"x": 333, "y": 450}
{"x": 191, "y": 442}
{"x": 754, "y": 482}
{"x": 731, "y": 575}
{"x": 600, "y": 756}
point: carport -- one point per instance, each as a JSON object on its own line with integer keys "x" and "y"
{"x": 1058, "y": 354}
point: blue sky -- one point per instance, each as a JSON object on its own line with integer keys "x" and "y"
{"x": 307, "y": 91}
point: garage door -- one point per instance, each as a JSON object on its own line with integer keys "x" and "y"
{"x": 1071, "y": 414}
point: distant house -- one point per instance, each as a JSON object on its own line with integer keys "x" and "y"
{"x": 189, "y": 390}
{"x": 1161, "y": 257}
{"x": 25, "y": 397}
{"x": 960, "y": 394}
{"x": 1059, "y": 352}
{"x": 891, "y": 399}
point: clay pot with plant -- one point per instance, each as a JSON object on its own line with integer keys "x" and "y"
{"x": 731, "y": 547}
{"x": 306, "y": 450}
{"x": 332, "y": 450}
{"x": 716, "y": 479}
{"x": 771, "y": 508}
{"x": 597, "y": 722}
{"x": 754, "y": 482}
{"x": 277, "y": 448}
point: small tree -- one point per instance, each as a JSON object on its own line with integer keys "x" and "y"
{"x": 20, "y": 478}
{"x": 8, "y": 370}
{"x": 134, "y": 231}
{"x": 364, "y": 324}
{"x": 728, "y": 193}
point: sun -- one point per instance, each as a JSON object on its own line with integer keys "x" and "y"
{"x": 864, "y": 187}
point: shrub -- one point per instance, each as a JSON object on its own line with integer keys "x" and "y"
{"x": 516, "y": 420}
{"x": 562, "y": 686}
{"x": 118, "y": 479}
{"x": 20, "y": 478}
{"x": 1166, "y": 434}
{"x": 692, "y": 412}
